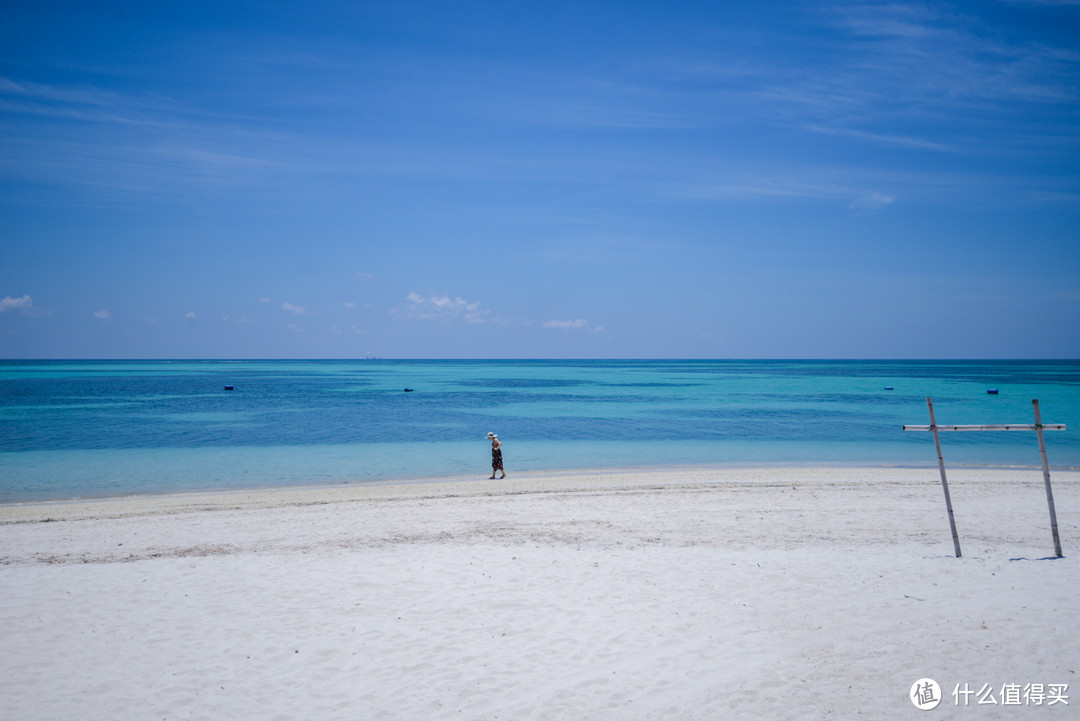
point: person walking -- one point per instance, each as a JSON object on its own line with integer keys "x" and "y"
{"x": 496, "y": 455}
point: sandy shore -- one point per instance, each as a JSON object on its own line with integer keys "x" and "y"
{"x": 752, "y": 593}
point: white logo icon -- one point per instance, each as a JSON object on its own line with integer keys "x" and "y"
{"x": 925, "y": 694}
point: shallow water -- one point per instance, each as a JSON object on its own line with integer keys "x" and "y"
{"x": 87, "y": 428}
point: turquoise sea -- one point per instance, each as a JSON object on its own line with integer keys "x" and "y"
{"x": 98, "y": 428}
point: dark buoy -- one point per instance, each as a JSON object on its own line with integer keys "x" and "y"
{"x": 228, "y": 388}
{"x": 992, "y": 391}
{"x": 408, "y": 390}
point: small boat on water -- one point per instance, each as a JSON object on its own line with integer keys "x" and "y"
{"x": 992, "y": 391}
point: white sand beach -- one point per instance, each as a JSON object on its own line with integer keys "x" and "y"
{"x": 683, "y": 593}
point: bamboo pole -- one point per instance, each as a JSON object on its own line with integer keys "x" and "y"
{"x": 1003, "y": 427}
{"x": 944, "y": 481}
{"x": 1046, "y": 479}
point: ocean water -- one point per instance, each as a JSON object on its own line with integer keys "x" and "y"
{"x": 96, "y": 428}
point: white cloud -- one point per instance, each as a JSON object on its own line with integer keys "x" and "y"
{"x": 102, "y": 314}
{"x": 264, "y": 299}
{"x": 349, "y": 304}
{"x": 189, "y": 315}
{"x": 872, "y": 201}
{"x": 294, "y": 309}
{"x": 576, "y": 323}
{"x": 902, "y": 140}
{"x": 21, "y": 304}
{"x": 418, "y": 307}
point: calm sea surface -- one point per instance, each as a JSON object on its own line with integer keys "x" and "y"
{"x": 93, "y": 428}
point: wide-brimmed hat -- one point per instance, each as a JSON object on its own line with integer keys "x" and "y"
{"x": 492, "y": 435}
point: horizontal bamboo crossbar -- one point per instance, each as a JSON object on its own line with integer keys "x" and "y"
{"x": 1006, "y": 427}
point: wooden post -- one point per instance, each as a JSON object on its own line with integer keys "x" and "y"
{"x": 944, "y": 481}
{"x": 1046, "y": 478}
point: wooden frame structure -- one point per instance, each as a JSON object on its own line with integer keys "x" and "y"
{"x": 1037, "y": 426}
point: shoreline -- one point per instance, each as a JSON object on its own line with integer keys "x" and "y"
{"x": 523, "y": 483}
{"x": 540, "y": 473}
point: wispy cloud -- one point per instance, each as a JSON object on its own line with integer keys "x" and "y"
{"x": 881, "y": 138}
{"x": 131, "y": 145}
{"x": 869, "y": 188}
{"x": 294, "y": 309}
{"x": 872, "y": 68}
{"x": 873, "y": 201}
{"x": 91, "y": 105}
{"x": 1062, "y": 3}
{"x": 918, "y": 75}
{"x": 575, "y": 323}
{"x": 436, "y": 307}
{"x": 787, "y": 185}
{"x": 924, "y": 52}
{"x": 102, "y": 314}
{"x": 22, "y": 304}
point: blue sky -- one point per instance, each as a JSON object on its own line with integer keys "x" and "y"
{"x": 529, "y": 180}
